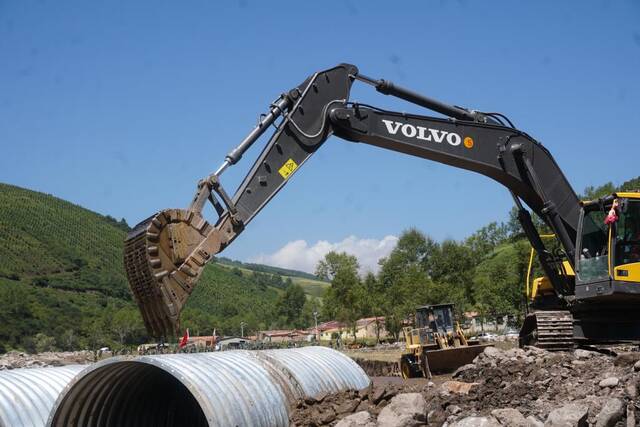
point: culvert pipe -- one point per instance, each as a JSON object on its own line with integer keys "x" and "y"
{"x": 231, "y": 388}
{"x": 28, "y": 394}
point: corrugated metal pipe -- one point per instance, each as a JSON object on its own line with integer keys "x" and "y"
{"x": 232, "y": 388}
{"x": 28, "y": 394}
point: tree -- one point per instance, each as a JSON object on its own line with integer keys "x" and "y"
{"x": 333, "y": 262}
{"x": 592, "y": 193}
{"x": 499, "y": 279}
{"x": 453, "y": 265}
{"x": 487, "y": 238}
{"x": 341, "y": 298}
{"x": 290, "y": 305}
{"x": 126, "y": 322}
{"x": 413, "y": 248}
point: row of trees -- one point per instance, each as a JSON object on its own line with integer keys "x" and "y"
{"x": 485, "y": 272}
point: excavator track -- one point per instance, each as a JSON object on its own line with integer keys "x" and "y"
{"x": 162, "y": 268}
{"x": 550, "y": 330}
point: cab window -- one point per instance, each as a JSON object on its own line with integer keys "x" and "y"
{"x": 628, "y": 233}
{"x": 593, "y": 258}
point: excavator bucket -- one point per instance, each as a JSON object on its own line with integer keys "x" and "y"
{"x": 447, "y": 360}
{"x": 164, "y": 257}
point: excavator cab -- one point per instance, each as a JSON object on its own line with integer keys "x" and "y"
{"x": 608, "y": 255}
{"x": 606, "y": 280}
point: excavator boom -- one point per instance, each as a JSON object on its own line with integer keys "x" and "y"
{"x": 165, "y": 255}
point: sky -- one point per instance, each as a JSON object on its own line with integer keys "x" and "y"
{"x": 121, "y": 107}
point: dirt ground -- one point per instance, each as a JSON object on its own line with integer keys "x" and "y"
{"x": 529, "y": 386}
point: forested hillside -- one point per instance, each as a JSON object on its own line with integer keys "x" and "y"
{"x": 62, "y": 282}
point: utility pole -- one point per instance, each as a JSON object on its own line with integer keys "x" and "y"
{"x": 315, "y": 317}
{"x": 242, "y": 325}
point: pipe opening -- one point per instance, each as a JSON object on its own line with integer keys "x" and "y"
{"x": 128, "y": 394}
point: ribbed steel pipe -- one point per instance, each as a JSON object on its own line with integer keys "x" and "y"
{"x": 232, "y": 388}
{"x": 28, "y": 394}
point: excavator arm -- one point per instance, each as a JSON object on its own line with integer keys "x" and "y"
{"x": 166, "y": 254}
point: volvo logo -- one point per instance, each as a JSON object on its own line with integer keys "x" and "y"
{"x": 423, "y": 133}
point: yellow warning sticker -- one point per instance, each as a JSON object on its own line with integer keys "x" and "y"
{"x": 288, "y": 168}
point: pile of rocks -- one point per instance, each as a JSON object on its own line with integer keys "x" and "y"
{"x": 372, "y": 406}
{"x": 517, "y": 387}
{"x": 14, "y": 359}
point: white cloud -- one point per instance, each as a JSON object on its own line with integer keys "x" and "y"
{"x": 299, "y": 255}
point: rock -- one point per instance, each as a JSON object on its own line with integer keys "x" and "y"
{"x": 365, "y": 392}
{"x": 457, "y": 387}
{"x": 609, "y": 382}
{"x": 632, "y": 390}
{"x": 636, "y": 366}
{"x": 378, "y": 394}
{"x": 611, "y": 413}
{"x": 492, "y": 352}
{"x": 626, "y": 359}
{"x": 454, "y": 409}
{"x": 310, "y": 400}
{"x": 359, "y": 419}
{"x": 477, "y": 422}
{"x": 462, "y": 369}
{"x": 327, "y": 416}
{"x": 631, "y": 415}
{"x": 533, "y": 422}
{"x": 347, "y": 407}
{"x": 583, "y": 354}
{"x": 404, "y": 410}
{"x": 509, "y": 417}
{"x": 571, "y": 415}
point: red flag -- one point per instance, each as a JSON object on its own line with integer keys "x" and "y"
{"x": 185, "y": 339}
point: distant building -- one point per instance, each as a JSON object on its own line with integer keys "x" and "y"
{"x": 366, "y": 328}
{"x": 284, "y": 335}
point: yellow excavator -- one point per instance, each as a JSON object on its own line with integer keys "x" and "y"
{"x": 166, "y": 254}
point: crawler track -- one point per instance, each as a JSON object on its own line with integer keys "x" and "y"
{"x": 550, "y": 330}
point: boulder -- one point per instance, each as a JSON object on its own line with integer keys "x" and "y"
{"x": 477, "y": 422}
{"x": 509, "y": 417}
{"x": 636, "y": 366}
{"x": 571, "y": 415}
{"x": 609, "y": 382}
{"x": 611, "y": 412}
{"x": 359, "y": 419}
{"x": 404, "y": 410}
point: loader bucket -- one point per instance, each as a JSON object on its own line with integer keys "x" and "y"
{"x": 449, "y": 359}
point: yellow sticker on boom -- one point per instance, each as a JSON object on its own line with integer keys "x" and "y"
{"x": 288, "y": 168}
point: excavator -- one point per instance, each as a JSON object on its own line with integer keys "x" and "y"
{"x": 593, "y": 270}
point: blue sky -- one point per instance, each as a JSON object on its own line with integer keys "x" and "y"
{"x": 122, "y": 107}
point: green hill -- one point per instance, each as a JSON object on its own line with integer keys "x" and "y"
{"x": 48, "y": 242}
{"x": 277, "y": 277}
{"x": 62, "y": 283}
